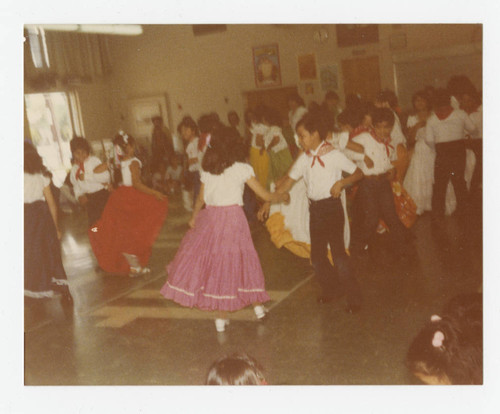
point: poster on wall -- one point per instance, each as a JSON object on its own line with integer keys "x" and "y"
{"x": 266, "y": 63}
{"x": 307, "y": 67}
{"x": 329, "y": 77}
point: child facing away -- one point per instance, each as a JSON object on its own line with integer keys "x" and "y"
{"x": 217, "y": 266}
{"x": 43, "y": 267}
{"x": 123, "y": 237}
{"x": 448, "y": 350}
{"x": 90, "y": 179}
{"x": 321, "y": 167}
{"x": 236, "y": 369}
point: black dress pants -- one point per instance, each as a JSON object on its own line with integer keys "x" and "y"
{"x": 449, "y": 165}
{"x": 375, "y": 201}
{"x": 326, "y": 224}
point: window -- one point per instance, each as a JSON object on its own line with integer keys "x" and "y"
{"x": 53, "y": 120}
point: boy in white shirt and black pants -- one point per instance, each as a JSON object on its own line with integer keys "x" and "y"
{"x": 321, "y": 166}
{"x": 374, "y": 197}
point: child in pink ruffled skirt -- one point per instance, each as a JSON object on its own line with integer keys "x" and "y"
{"x": 217, "y": 266}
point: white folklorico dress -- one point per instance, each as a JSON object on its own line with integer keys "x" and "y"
{"x": 419, "y": 178}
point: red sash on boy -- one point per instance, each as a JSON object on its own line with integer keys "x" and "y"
{"x": 81, "y": 170}
{"x": 323, "y": 149}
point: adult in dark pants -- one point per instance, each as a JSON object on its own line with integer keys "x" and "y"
{"x": 445, "y": 130}
{"x": 90, "y": 179}
{"x": 374, "y": 197}
{"x": 162, "y": 146}
{"x": 470, "y": 102}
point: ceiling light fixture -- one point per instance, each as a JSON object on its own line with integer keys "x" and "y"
{"x": 111, "y": 29}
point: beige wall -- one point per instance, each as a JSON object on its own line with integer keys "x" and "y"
{"x": 200, "y": 73}
{"x": 211, "y": 72}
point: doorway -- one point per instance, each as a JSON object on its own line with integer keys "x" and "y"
{"x": 362, "y": 77}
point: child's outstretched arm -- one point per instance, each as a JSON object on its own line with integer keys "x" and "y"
{"x": 200, "y": 201}
{"x": 276, "y": 197}
{"x": 49, "y": 197}
{"x": 138, "y": 184}
{"x": 340, "y": 184}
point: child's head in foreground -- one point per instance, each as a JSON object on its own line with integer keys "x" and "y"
{"x": 237, "y": 369}
{"x": 448, "y": 350}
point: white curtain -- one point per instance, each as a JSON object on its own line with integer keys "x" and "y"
{"x": 79, "y": 55}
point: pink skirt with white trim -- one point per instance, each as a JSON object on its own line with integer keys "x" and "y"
{"x": 216, "y": 266}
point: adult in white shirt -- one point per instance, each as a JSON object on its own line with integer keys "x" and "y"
{"x": 445, "y": 131}
{"x": 470, "y": 102}
{"x": 90, "y": 178}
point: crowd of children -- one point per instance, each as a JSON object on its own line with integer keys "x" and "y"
{"x": 391, "y": 174}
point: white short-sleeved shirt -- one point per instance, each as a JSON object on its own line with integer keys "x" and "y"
{"x": 339, "y": 140}
{"x": 174, "y": 174}
{"x": 33, "y": 187}
{"x": 257, "y": 129}
{"x": 193, "y": 152}
{"x": 412, "y": 121}
{"x": 226, "y": 189}
{"x": 477, "y": 119}
{"x": 92, "y": 182}
{"x": 275, "y": 131}
{"x": 318, "y": 179}
{"x": 126, "y": 173}
{"x": 397, "y": 136}
{"x": 376, "y": 151}
{"x": 450, "y": 129}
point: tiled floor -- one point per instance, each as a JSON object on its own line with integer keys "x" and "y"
{"x": 122, "y": 331}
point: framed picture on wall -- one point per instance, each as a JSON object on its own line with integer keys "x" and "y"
{"x": 266, "y": 64}
{"x": 307, "y": 67}
{"x": 329, "y": 77}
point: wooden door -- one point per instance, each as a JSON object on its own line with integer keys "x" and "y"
{"x": 362, "y": 77}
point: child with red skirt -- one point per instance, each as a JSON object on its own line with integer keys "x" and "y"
{"x": 123, "y": 237}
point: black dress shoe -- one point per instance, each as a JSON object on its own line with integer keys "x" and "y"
{"x": 353, "y": 308}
